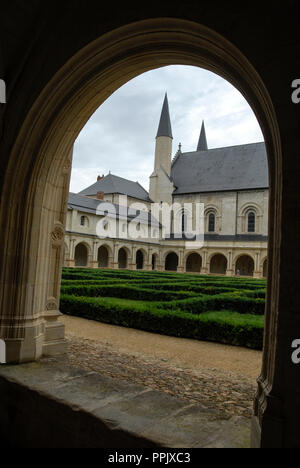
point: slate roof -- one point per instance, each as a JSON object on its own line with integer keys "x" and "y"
{"x": 165, "y": 128}
{"x": 114, "y": 184}
{"x": 93, "y": 206}
{"x": 202, "y": 144}
{"x": 240, "y": 167}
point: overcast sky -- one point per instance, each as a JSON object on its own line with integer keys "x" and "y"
{"x": 120, "y": 136}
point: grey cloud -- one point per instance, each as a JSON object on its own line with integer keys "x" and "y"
{"x": 120, "y": 136}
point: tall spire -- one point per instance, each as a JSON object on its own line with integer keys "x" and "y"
{"x": 202, "y": 145}
{"x": 165, "y": 128}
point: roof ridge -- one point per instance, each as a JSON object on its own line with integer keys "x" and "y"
{"x": 225, "y": 147}
{"x": 137, "y": 182}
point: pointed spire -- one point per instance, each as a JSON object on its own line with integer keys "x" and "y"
{"x": 202, "y": 145}
{"x": 165, "y": 128}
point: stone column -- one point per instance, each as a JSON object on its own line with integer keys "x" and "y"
{"x": 257, "y": 271}
{"x": 115, "y": 263}
{"x": 159, "y": 265}
{"x": 132, "y": 263}
{"x": 149, "y": 265}
{"x": 205, "y": 266}
{"x": 72, "y": 253}
{"x": 54, "y": 331}
{"x": 110, "y": 261}
{"x": 230, "y": 271}
{"x": 181, "y": 267}
{"x": 95, "y": 262}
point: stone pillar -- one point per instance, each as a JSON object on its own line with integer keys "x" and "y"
{"x": 181, "y": 267}
{"x": 257, "y": 271}
{"x": 205, "y": 266}
{"x": 159, "y": 265}
{"x": 95, "y": 262}
{"x": 149, "y": 264}
{"x": 230, "y": 271}
{"x": 115, "y": 263}
{"x": 72, "y": 253}
{"x": 110, "y": 261}
{"x": 132, "y": 261}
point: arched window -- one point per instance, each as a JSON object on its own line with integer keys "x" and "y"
{"x": 251, "y": 222}
{"x": 184, "y": 222}
{"x": 172, "y": 222}
{"x": 211, "y": 222}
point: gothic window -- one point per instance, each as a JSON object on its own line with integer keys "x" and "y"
{"x": 251, "y": 222}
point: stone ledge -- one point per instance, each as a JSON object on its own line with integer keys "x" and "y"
{"x": 64, "y": 406}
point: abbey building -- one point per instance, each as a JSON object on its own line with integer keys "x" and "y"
{"x": 116, "y": 223}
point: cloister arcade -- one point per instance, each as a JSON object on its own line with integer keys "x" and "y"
{"x": 135, "y": 257}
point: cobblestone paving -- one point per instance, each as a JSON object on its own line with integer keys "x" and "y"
{"x": 211, "y": 388}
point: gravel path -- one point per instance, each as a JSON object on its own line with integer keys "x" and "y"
{"x": 210, "y": 374}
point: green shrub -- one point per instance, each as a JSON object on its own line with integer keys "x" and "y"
{"x": 124, "y": 292}
{"x": 224, "y": 327}
{"x": 240, "y": 304}
{"x": 169, "y": 303}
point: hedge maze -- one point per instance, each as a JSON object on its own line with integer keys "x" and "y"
{"x": 221, "y": 309}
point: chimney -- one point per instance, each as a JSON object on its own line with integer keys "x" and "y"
{"x": 100, "y": 196}
{"x": 99, "y": 178}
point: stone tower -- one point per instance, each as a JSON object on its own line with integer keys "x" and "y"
{"x": 161, "y": 186}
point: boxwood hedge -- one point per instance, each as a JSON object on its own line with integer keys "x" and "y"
{"x": 224, "y": 326}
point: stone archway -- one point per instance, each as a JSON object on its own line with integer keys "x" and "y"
{"x": 218, "y": 264}
{"x": 59, "y": 113}
{"x": 244, "y": 266}
{"x": 81, "y": 255}
{"x": 40, "y": 163}
{"x": 171, "y": 262}
{"x": 194, "y": 263}
{"x": 103, "y": 257}
{"x": 122, "y": 259}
